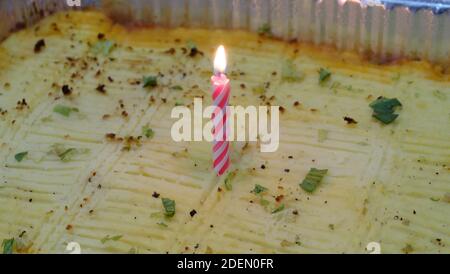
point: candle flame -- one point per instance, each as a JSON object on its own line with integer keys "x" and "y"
{"x": 220, "y": 61}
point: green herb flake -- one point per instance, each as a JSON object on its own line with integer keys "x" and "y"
{"x": 150, "y": 81}
{"x": 259, "y": 90}
{"x": 440, "y": 95}
{"x": 265, "y": 29}
{"x": 20, "y": 156}
{"x": 383, "y": 109}
{"x": 70, "y": 153}
{"x": 169, "y": 207}
{"x": 335, "y": 85}
{"x": 191, "y": 45}
{"x": 8, "y": 246}
{"x": 259, "y": 189}
{"x": 228, "y": 180}
{"x": 434, "y": 199}
{"x": 278, "y": 209}
{"x": 103, "y": 47}
{"x": 108, "y": 238}
{"x": 313, "y": 179}
{"x": 324, "y": 75}
{"x": 176, "y": 88}
{"x": 47, "y": 119}
{"x": 148, "y": 132}
{"x": 67, "y": 154}
{"x": 289, "y": 73}
{"x": 64, "y": 110}
{"x": 264, "y": 202}
{"x": 386, "y": 118}
{"x": 162, "y": 224}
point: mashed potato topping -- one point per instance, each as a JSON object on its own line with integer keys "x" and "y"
{"x": 86, "y": 153}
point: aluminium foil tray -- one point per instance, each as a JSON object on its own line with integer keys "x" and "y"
{"x": 383, "y": 29}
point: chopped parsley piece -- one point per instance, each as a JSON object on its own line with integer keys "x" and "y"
{"x": 47, "y": 119}
{"x": 313, "y": 179}
{"x": 148, "y": 132}
{"x": 264, "y": 202}
{"x": 265, "y": 29}
{"x": 67, "y": 154}
{"x": 440, "y": 95}
{"x": 103, "y": 47}
{"x": 228, "y": 179}
{"x": 108, "y": 238}
{"x": 383, "y": 109}
{"x": 176, "y": 88}
{"x": 259, "y": 90}
{"x": 259, "y": 189}
{"x": 8, "y": 246}
{"x": 162, "y": 224}
{"x": 20, "y": 156}
{"x": 64, "y": 110}
{"x": 386, "y": 118}
{"x": 278, "y": 209}
{"x": 193, "y": 50}
{"x": 191, "y": 45}
{"x": 150, "y": 81}
{"x": 434, "y": 199}
{"x": 169, "y": 207}
{"x": 324, "y": 75}
{"x": 289, "y": 73}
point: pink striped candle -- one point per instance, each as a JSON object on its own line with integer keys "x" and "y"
{"x": 221, "y": 96}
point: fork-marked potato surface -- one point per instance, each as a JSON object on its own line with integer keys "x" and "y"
{"x": 81, "y": 172}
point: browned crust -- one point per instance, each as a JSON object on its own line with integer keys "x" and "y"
{"x": 329, "y": 54}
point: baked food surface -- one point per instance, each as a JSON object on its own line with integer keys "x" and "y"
{"x": 88, "y": 177}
